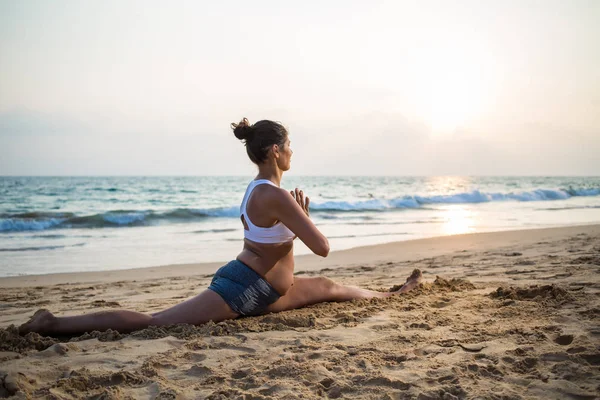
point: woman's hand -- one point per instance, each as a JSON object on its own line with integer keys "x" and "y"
{"x": 292, "y": 211}
{"x": 298, "y": 195}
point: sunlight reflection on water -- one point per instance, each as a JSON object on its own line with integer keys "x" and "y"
{"x": 457, "y": 220}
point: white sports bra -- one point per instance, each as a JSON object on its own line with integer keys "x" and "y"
{"x": 278, "y": 233}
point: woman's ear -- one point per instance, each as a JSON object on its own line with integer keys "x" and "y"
{"x": 275, "y": 149}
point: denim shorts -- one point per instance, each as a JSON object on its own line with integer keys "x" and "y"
{"x": 244, "y": 290}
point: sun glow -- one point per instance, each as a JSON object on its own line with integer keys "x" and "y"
{"x": 453, "y": 102}
{"x": 453, "y": 85}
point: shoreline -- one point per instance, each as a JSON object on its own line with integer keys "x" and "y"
{"x": 378, "y": 253}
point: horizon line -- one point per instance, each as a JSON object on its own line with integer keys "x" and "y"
{"x": 308, "y": 175}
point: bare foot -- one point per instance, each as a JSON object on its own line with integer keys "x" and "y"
{"x": 411, "y": 282}
{"x": 42, "y": 321}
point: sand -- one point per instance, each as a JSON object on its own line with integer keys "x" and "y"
{"x": 507, "y": 315}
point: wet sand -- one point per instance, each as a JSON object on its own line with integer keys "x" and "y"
{"x": 505, "y": 315}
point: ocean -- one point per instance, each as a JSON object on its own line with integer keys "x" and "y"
{"x": 72, "y": 224}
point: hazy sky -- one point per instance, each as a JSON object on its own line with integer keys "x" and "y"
{"x": 365, "y": 87}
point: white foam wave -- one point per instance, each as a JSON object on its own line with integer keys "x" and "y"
{"x": 351, "y": 206}
{"x": 124, "y": 218}
{"x": 229, "y": 212}
{"x": 585, "y": 192}
{"x": 475, "y": 196}
{"x": 13, "y": 224}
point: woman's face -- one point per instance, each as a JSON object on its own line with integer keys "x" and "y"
{"x": 285, "y": 155}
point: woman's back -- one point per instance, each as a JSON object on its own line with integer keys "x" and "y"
{"x": 271, "y": 233}
{"x": 268, "y": 243}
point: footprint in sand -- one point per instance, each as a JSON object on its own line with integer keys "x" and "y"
{"x": 198, "y": 371}
{"x": 564, "y": 340}
{"x": 242, "y": 373}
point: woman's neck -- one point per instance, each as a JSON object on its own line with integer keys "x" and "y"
{"x": 269, "y": 173}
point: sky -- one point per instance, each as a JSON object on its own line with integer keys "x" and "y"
{"x": 364, "y": 87}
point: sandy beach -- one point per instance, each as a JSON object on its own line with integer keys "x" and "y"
{"x": 505, "y": 315}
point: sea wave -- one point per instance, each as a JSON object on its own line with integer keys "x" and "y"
{"x": 39, "y": 221}
{"x": 473, "y": 197}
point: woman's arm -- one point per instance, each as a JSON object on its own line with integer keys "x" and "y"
{"x": 293, "y": 212}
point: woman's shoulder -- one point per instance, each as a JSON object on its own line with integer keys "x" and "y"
{"x": 268, "y": 190}
{"x": 270, "y": 197}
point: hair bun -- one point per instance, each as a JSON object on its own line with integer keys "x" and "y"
{"x": 243, "y": 130}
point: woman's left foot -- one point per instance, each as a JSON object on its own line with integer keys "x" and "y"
{"x": 41, "y": 322}
{"x": 411, "y": 282}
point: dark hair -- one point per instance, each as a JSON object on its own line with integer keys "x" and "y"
{"x": 259, "y": 137}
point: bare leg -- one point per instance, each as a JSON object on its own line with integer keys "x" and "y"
{"x": 306, "y": 291}
{"x": 207, "y": 306}
{"x": 43, "y": 321}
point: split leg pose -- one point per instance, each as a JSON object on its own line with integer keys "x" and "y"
{"x": 206, "y": 306}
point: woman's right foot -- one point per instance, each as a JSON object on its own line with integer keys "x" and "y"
{"x": 41, "y": 322}
{"x": 411, "y": 282}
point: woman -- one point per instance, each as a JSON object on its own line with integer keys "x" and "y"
{"x": 261, "y": 279}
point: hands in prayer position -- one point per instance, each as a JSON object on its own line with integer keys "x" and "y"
{"x": 304, "y": 202}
